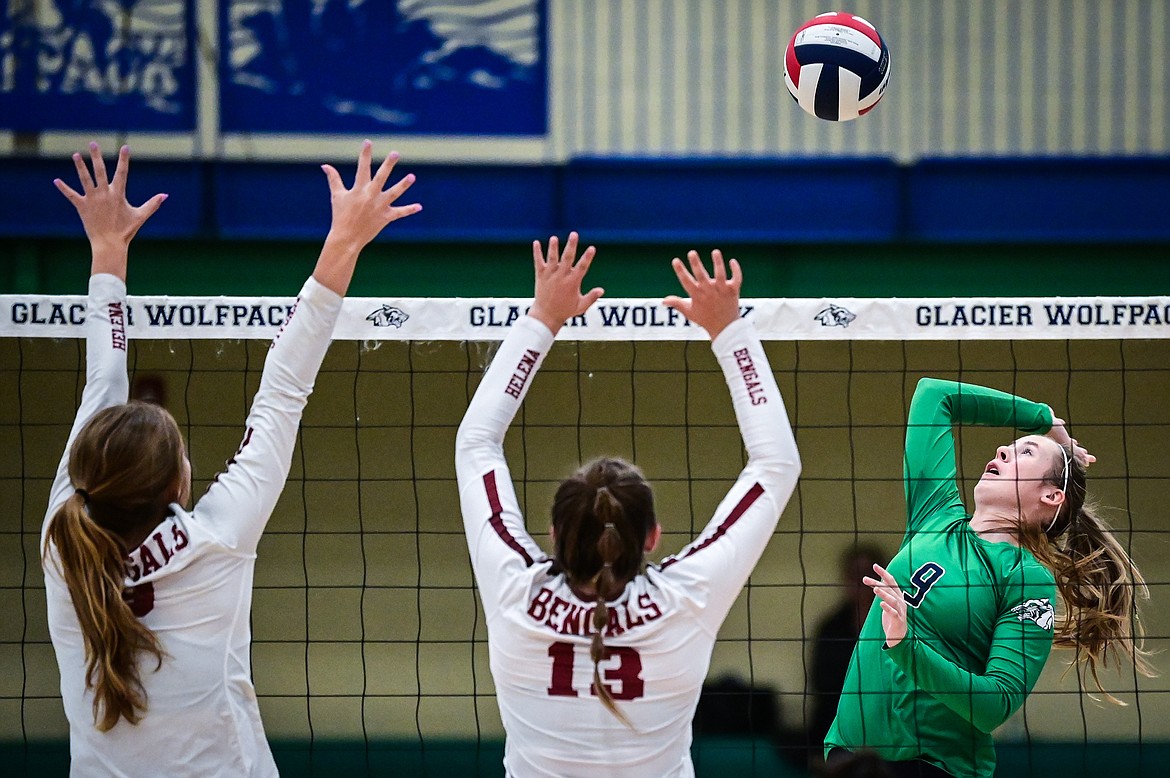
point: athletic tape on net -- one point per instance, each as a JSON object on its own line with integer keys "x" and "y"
{"x": 429, "y": 318}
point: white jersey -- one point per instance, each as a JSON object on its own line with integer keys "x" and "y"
{"x": 661, "y": 629}
{"x": 190, "y": 582}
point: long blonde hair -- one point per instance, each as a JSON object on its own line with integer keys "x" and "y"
{"x": 124, "y": 466}
{"x": 1098, "y": 581}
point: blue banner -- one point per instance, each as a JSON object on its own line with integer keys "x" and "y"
{"x": 377, "y": 66}
{"x": 77, "y": 65}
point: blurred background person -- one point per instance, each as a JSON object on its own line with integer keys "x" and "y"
{"x": 835, "y": 637}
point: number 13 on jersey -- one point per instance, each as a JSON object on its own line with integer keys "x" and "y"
{"x": 620, "y": 667}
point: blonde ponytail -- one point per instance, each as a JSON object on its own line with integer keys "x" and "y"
{"x": 1100, "y": 586}
{"x": 126, "y": 463}
{"x": 1098, "y": 582}
{"x": 92, "y": 562}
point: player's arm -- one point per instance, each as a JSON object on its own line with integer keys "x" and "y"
{"x": 930, "y": 471}
{"x": 110, "y": 224}
{"x": 240, "y": 501}
{"x": 718, "y": 562}
{"x": 497, "y": 539}
{"x": 1020, "y": 646}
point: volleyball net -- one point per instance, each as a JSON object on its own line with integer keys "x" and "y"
{"x": 366, "y": 622}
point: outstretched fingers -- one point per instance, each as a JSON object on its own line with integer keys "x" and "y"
{"x": 122, "y": 171}
{"x": 564, "y": 260}
{"x": 582, "y": 265}
{"x": 336, "y": 185}
{"x": 558, "y": 293}
{"x": 736, "y": 274}
{"x": 384, "y": 170}
{"x": 684, "y": 277}
{"x": 147, "y": 209}
{"x": 1082, "y": 454}
{"x": 681, "y": 304}
{"x": 399, "y": 188}
{"x": 68, "y": 191}
{"x": 895, "y": 623}
{"x": 698, "y": 270}
{"x": 590, "y": 297}
{"x": 399, "y": 211}
{"x": 83, "y": 174}
{"x": 720, "y": 271}
{"x": 362, "y": 177}
{"x": 570, "y": 252}
{"x": 886, "y": 587}
{"x": 99, "y": 165}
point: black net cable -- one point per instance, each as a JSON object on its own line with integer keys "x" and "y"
{"x": 792, "y": 402}
{"x": 1080, "y": 684}
{"x": 418, "y": 556}
{"x": 307, "y": 588}
{"x": 633, "y": 391}
{"x": 357, "y": 449}
{"x": 22, "y": 540}
{"x": 468, "y": 391}
{"x": 1024, "y": 713}
{"x": 1135, "y": 626}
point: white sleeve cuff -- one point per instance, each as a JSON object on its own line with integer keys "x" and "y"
{"x": 320, "y": 294}
{"x": 106, "y": 286}
{"x": 733, "y": 334}
{"x": 537, "y": 328}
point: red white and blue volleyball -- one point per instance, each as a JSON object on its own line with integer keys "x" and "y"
{"x": 837, "y": 66}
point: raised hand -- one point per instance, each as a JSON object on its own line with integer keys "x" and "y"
{"x": 109, "y": 220}
{"x": 713, "y": 300}
{"x": 1059, "y": 433}
{"x": 558, "y": 294}
{"x": 359, "y": 214}
{"x": 893, "y": 604}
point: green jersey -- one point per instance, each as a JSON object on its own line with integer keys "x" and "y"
{"x": 980, "y": 613}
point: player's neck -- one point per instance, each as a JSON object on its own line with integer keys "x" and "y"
{"x": 995, "y": 526}
{"x": 583, "y": 592}
{"x": 588, "y": 593}
{"x": 137, "y": 536}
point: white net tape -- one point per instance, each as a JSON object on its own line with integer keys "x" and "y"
{"x": 480, "y": 319}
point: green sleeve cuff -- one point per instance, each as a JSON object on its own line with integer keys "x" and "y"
{"x": 902, "y": 653}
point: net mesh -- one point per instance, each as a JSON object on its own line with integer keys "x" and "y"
{"x": 368, "y": 635}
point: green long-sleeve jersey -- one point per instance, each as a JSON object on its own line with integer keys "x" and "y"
{"x": 980, "y": 613}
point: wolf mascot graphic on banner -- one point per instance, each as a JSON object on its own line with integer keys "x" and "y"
{"x": 388, "y": 316}
{"x": 835, "y": 316}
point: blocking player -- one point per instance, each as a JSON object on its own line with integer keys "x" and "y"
{"x": 598, "y": 658}
{"x": 149, "y": 600}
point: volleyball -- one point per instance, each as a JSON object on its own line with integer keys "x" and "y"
{"x": 837, "y": 66}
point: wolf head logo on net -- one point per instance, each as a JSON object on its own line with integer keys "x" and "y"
{"x": 1038, "y": 611}
{"x": 835, "y": 316}
{"x": 388, "y": 316}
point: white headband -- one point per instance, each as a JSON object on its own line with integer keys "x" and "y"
{"x": 1063, "y": 489}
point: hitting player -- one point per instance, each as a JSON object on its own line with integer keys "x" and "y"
{"x": 966, "y": 614}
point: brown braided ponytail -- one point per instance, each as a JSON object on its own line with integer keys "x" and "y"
{"x": 601, "y": 518}
{"x": 125, "y": 465}
{"x": 1098, "y": 582}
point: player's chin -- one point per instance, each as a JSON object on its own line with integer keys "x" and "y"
{"x": 994, "y": 492}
